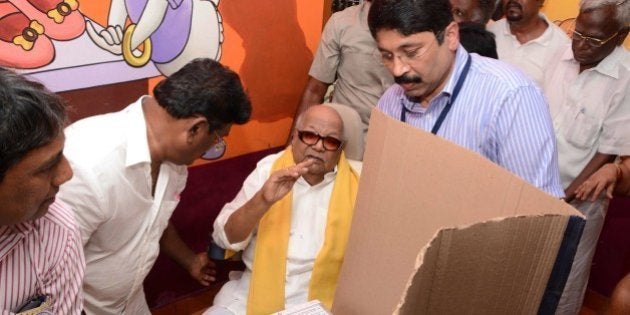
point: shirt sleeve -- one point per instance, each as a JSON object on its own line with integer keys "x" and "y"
{"x": 615, "y": 137}
{"x": 525, "y": 140}
{"x": 83, "y": 195}
{"x": 327, "y": 56}
{"x": 61, "y": 278}
{"x": 251, "y": 186}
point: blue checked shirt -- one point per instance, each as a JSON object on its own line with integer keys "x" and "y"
{"x": 499, "y": 113}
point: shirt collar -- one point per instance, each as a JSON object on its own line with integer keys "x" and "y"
{"x": 363, "y": 14}
{"x": 11, "y": 235}
{"x": 611, "y": 65}
{"x": 544, "y": 39}
{"x": 137, "y": 142}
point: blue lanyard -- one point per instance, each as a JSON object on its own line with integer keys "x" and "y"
{"x": 447, "y": 108}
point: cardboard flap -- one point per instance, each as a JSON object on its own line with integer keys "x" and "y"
{"x": 495, "y": 267}
{"x": 413, "y": 185}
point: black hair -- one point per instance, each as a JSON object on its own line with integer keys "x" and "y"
{"x": 410, "y": 16}
{"x": 476, "y": 39}
{"x": 205, "y": 87}
{"x": 30, "y": 117}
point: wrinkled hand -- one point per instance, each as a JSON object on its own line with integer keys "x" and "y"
{"x": 280, "y": 182}
{"x": 110, "y": 38}
{"x": 202, "y": 269}
{"x": 604, "y": 179}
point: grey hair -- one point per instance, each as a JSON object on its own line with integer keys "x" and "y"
{"x": 622, "y": 8}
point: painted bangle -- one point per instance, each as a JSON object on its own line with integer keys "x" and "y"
{"x": 127, "y": 51}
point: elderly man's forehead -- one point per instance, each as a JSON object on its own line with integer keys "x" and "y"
{"x": 321, "y": 115}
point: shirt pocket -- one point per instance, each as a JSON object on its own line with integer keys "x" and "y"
{"x": 581, "y": 128}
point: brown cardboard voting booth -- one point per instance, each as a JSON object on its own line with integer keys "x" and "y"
{"x": 439, "y": 229}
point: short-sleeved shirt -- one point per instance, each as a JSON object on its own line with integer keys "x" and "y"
{"x": 533, "y": 57}
{"x": 500, "y": 113}
{"x": 590, "y": 110}
{"x": 347, "y": 52}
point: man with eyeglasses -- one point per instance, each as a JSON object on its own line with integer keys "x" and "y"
{"x": 479, "y": 103}
{"x": 291, "y": 219}
{"x": 589, "y": 101}
{"x": 130, "y": 168}
{"x": 526, "y": 38}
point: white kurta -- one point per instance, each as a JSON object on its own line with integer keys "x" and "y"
{"x": 121, "y": 222}
{"x": 308, "y": 225}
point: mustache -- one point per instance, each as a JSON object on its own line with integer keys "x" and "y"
{"x": 407, "y": 79}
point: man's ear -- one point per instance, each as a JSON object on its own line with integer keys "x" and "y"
{"x": 196, "y": 126}
{"x": 451, "y": 35}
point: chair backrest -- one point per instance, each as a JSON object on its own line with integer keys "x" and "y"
{"x": 352, "y": 129}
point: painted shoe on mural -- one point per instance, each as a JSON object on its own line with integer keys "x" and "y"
{"x": 61, "y": 19}
{"x": 22, "y": 41}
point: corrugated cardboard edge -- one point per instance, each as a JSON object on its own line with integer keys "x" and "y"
{"x": 380, "y": 263}
{"x": 526, "y": 290}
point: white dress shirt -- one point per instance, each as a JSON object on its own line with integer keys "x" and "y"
{"x": 121, "y": 222}
{"x": 309, "y": 212}
{"x": 532, "y": 57}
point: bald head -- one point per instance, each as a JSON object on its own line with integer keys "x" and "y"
{"x": 320, "y": 112}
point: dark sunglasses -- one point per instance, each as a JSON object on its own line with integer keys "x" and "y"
{"x": 311, "y": 138}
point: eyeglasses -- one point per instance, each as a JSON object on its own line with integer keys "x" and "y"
{"x": 311, "y": 138}
{"x": 592, "y": 41}
{"x": 217, "y": 150}
{"x": 409, "y": 55}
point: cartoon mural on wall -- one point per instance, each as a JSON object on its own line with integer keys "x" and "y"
{"x": 172, "y": 32}
{"x": 27, "y": 27}
{"x": 49, "y": 39}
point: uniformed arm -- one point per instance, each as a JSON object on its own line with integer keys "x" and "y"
{"x": 313, "y": 94}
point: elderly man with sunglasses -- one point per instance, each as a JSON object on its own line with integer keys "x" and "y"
{"x": 291, "y": 219}
{"x": 589, "y": 101}
{"x": 130, "y": 168}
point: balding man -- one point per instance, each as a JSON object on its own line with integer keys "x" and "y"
{"x": 291, "y": 219}
{"x": 589, "y": 101}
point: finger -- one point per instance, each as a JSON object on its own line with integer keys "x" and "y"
{"x": 597, "y": 192}
{"x": 610, "y": 190}
{"x": 94, "y": 35}
{"x": 119, "y": 34}
{"x": 107, "y": 36}
{"x": 305, "y": 164}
